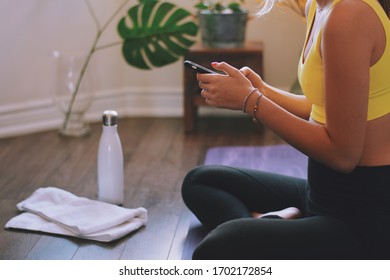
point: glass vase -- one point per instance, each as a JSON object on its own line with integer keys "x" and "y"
{"x": 74, "y": 92}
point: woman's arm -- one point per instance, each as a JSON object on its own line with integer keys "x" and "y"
{"x": 346, "y": 49}
{"x": 298, "y": 105}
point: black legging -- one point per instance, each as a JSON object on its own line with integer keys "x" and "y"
{"x": 223, "y": 197}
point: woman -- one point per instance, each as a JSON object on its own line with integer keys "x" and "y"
{"x": 342, "y": 123}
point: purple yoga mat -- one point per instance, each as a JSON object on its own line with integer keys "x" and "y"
{"x": 282, "y": 159}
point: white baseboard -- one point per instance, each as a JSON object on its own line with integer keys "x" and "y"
{"x": 41, "y": 115}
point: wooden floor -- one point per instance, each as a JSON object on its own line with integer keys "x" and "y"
{"x": 157, "y": 156}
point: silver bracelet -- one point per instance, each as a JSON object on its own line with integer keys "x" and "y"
{"x": 246, "y": 99}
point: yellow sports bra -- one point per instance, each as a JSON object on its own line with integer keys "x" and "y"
{"x": 310, "y": 71}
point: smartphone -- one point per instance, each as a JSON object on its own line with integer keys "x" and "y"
{"x": 198, "y": 68}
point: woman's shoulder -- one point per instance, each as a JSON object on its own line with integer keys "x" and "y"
{"x": 350, "y": 14}
{"x": 352, "y": 22}
{"x": 352, "y": 7}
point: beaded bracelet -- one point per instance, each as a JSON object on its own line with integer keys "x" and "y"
{"x": 246, "y": 99}
{"x": 256, "y": 107}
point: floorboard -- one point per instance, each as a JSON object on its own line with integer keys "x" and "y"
{"x": 157, "y": 155}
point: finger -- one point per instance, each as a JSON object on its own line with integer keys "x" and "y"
{"x": 203, "y": 93}
{"x": 246, "y": 71}
{"x": 227, "y": 68}
{"x": 203, "y": 80}
{"x": 203, "y": 85}
{"x": 209, "y": 102}
{"x": 202, "y": 77}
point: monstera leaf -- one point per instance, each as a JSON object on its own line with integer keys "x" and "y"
{"x": 156, "y": 34}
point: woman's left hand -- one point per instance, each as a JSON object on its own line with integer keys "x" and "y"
{"x": 225, "y": 91}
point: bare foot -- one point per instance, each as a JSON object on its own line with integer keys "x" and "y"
{"x": 287, "y": 213}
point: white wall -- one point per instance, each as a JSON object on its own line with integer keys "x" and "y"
{"x": 31, "y": 29}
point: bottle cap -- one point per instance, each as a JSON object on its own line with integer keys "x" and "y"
{"x": 110, "y": 118}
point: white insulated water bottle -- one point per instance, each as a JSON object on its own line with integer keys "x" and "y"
{"x": 110, "y": 161}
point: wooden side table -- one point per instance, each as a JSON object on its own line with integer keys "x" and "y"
{"x": 251, "y": 54}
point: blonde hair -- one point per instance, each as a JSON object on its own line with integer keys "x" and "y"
{"x": 297, "y": 6}
{"x": 265, "y": 7}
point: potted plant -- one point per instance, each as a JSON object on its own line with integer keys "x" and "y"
{"x": 222, "y": 23}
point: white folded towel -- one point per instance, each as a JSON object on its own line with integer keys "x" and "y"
{"x": 57, "y": 211}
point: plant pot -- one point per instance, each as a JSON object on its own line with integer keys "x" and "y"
{"x": 223, "y": 30}
{"x": 74, "y": 93}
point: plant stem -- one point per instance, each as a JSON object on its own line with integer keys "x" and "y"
{"x": 93, "y": 14}
{"x": 92, "y": 50}
{"x": 114, "y": 14}
{"x": 83, "y": 70}
{"x": 107, "y": 46}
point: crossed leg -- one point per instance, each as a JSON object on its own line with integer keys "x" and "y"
{"x": 226, "y": 200}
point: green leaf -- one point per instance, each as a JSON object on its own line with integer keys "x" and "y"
{"x": 156, "y": 34}
{"x": 235, "y": 7}
{"x": 201, "y": 6}
{"x": 144, "y": 1}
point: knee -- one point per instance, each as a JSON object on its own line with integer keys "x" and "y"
{"x": 197, "y": 176}
{"x": 188, "y": 184}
